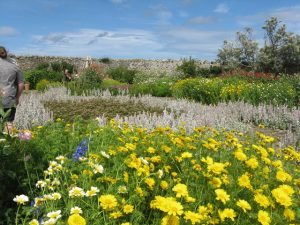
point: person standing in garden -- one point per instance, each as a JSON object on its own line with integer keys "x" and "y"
{"x": 12, "y": 85}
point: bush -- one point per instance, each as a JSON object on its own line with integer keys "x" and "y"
{"x": 105, "y": 60}
{"x": 56, "y": 66}
{"x": 159, "y": 87}
{"x": 34, "y": 76}
{"x": 188, "y": 68}
{"x": 122, "y": 74}
{"x": 108, "y": 83}
{"x": 89, "y": 79}
{"x": 68, "y": 66}
{"x": 215, "y": 90}
{"x": 42, "y": 85}
{"x": 42, "y": 66}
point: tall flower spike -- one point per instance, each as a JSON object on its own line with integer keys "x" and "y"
{"x": 80, "y": 150}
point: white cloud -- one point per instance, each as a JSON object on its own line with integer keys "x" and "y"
{"x": 122, "y": 43}
{"x": 288, "y": 15}
{"x": 192, "y": 42}
{"x": 222, "y": 8}
{"x": 203, "y": 20}
{"x": 8, "y": 31}
{"x": 177, "y": 42}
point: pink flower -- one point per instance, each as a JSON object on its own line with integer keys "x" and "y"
{"x": 25, "y": 135}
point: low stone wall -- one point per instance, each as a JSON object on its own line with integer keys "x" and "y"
{"x": 157, "y": 66}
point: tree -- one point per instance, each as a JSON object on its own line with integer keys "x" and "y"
{"x": 282, "y": 49}
{"x": 241, "y": 53}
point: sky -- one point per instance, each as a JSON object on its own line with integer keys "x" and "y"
{"x": 132, "y": 29}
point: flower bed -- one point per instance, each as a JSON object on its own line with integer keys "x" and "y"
{"x": 167, "y": 177}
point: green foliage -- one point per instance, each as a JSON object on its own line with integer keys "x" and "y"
{"x": 90, "y": 79}
{"x": 42, "y": 85}
{"x": 242, "y": 53}
{"x": 105, "y": 60}
{"x": 280, "y": 54}
{"x": 159, "y": 87}
{"x": 68, "y": 66}
{"x": 34, "y": 76}
{"x": 189, "y": 68}
{"x": 213, "y": 91}
{"x": 108, "y": 83}
{"x": 56, "y": 66}
{"x": 122, "y": 74}
{"x": 42, "y": 66}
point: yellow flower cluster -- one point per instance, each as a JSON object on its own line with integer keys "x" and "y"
{"x": 172, "y": 178}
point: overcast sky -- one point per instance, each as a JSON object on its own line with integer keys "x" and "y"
{"x": 149, "y": 29}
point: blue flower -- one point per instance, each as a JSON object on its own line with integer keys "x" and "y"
{"x": 80, "y": 150}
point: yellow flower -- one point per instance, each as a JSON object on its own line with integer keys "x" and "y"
{"x": 150, "y": 182}
{"x": 227, "y": 213}
{"x": 164, "y": 185}
{"x": 168, "y": 205}
{"x": 216, "y": 168}
{"x": 240, "y": 155}
{"x": 170, "y": 220}
{"x": 193, "y": 217}
{"x": 139, "y": 191}
{"x": 216, "y": 182}
{"x": 263, "y": 217}
{"x": 222, "y": 195}
{"x": 252, "y": 162}
{"x": 186, "y": 155}
{"x": 166, "y": 149}
{"x": 243, "y": 204}
{"x": 282, "y": 197}
{"x": 108, "y": 202}
{"x": 289, "y": 214}
{"x": 115, "y": 215}
{"x": 125, "y": 177}
{"x": 76, "y": 219}
{"x": 126, "y": 223}
{"x": 283, "y": 176}
{"x": 128, "y": 208}
{"x": 190, "y": 199}
{"x": 151, "y": 150}
{"x": 181, "y": 190}
{"x": 262, "y": 200}
{"x": 34, "y": 222}
{"x": 244, "y": 181}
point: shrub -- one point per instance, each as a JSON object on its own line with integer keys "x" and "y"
{"x": 68, "y": 66}
{"x": 42, "y": 66}
{"x": 188, "y": 68}
{"x": 56, "y": 66}
{"x": 34, "y": 76}
{"x": 105, "y": 60}
{"x": 42, "y": 85}
{"x": 122, "y": 74}
{"x": 159, "y": 87}
{"x": 108, "y": 83}
{"x": 89, "y": 79}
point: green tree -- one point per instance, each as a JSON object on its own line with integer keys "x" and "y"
{"x": 281, "y": 50}
{"x": 241, "y": 53}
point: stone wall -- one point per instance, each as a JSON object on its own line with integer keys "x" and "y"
{"x": 157, "y": 66}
